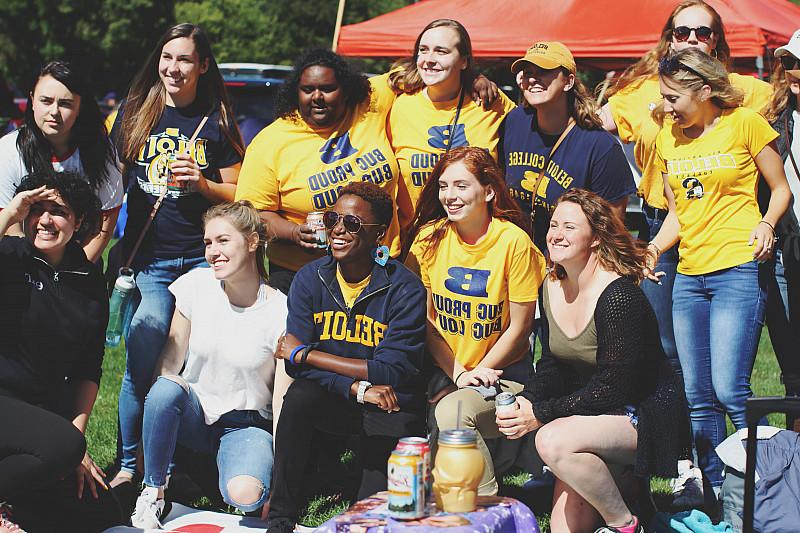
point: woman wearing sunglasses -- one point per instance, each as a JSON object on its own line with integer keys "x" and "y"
{"x": 692, "y": 24}
{"x": 710, "y": 156}
{"x": 482, "y": 273}
{"x": 783, "y": 313}
{"x": 354, "y": 345}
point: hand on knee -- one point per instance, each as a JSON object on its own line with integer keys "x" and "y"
{"x": 245, "y": 493}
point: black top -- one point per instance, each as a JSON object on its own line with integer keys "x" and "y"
{"x": 52, "y": 322}
{"x": 631, "y": 370}
{"x": 177, "y": 230}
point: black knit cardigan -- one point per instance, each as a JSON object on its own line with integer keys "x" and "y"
{"x": 631, "y": 370}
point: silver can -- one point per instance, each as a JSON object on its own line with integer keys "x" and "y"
{"x": 314, "y": 221}
{"x": 505, "y": 402}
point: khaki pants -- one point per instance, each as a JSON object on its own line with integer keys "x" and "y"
{"x": 477, "y": 413}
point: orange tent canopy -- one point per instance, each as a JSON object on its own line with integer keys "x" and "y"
{"x": 592, "y": 29}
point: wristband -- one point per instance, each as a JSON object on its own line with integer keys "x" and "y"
{"x": 295, "y": 350}
{"x": 362, "y": 389}
{"x": 306, "y": 349}
{"x": 654, "y": 245}
{"x": 768, "y": 224}
{"x": 458, "y": 376}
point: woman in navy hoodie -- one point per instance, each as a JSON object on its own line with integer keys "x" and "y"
{"x": 354, "y": 346}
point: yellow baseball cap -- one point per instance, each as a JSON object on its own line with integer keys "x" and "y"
{"x": 547, "y": 55}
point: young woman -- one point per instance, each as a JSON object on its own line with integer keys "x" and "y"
{"x": 64, "y": 130}
{"x": 354, "y": 343}
{"x": 53, "y": 313}
{"x": 330, "y": 129}
{"x": 628, "y": 113}
{"x": 782, "y": 313}
{"x": 555, "y": 140}
{"x": 482, "y": 274}
{"x": 178, "y": 96}
{"x": 436, "y": 114}
{"x": 225, "y": 331}
{"x": 603, "y": 396}
{"x": 710, "y": 156}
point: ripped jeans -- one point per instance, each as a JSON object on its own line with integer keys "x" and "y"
{"x": 172, "y": 414}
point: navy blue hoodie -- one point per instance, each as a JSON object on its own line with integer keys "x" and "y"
{"x": 386, "y": 326}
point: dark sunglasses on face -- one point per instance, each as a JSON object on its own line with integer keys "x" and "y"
{"x": 789, "y": 62}
{"x": 682, "y": 33}
{"x": 352, "y": 223}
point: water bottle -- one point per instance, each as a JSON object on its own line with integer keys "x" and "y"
{"x": 118, "y": 308}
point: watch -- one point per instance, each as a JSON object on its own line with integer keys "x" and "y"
{"x": 362, "y": 389}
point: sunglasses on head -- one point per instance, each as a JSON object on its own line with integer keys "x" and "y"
{"x": 682, "y": 33}
{"x": 789, "y": 62}
{"x": 671, "y": 65}
{"x": 352, "y": 223}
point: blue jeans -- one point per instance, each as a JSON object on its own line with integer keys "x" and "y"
{"x": 154, "y": 306}
{"x": 172, "y": 414}
{"x": 718, "y": 319}
{"x": 660, "y": 296}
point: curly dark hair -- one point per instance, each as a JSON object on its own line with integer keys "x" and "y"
{"x": 355, "y": 85}
{"x": 379, "y": 200}
{"x": 76, "y": 193}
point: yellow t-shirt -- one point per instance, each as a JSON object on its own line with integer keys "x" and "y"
{"x": 419, "y": 131}
{"x": 471, "y": 285}
{"x": 294, "y": 169}
{"x": 351, "y": 291}
{"x": 714, "y": 180}
{"x": 632, "y": 111}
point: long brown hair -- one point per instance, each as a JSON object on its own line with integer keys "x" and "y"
{"x": 244, "y": 217}
{"x": 430, "y": 210}
{"x": 404, "y": 76}
{"x": 782, "y": 97}
{"x": 647, "y": 66}
{"x": 147, "y": 97}
{"x": 617, "y": 251}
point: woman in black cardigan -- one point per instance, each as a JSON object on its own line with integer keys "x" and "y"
{"x": 603, "y": 393}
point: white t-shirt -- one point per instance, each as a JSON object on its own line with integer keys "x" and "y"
{"x": 12, "y": 170}
{"x": 229, "y": 363}
{"x": 791, "y": 175}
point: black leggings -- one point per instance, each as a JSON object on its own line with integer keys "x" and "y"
{"x": 308, "y": 407}
{"x": 37, "y": 447}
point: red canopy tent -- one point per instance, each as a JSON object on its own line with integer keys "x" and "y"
{"x": 603, "y": 32}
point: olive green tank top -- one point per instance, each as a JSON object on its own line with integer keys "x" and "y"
{"x": 579, "y": 352}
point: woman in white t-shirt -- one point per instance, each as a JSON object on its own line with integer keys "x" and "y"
{"x": 64, "y": 131}
{"x": 225, "y": 329}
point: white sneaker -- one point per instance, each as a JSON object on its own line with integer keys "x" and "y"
{"x": 687, "y": 489}
{"x": 149, "y": 509}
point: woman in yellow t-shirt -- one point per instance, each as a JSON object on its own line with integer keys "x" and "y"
{"x": 710, "y": 157}
{"x": 482, "y": 274}
{"x": 436, "y": 114}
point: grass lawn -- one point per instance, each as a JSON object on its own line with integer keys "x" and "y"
{"x": 102, "y": 431}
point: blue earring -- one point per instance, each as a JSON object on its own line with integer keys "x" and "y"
{"x": 381, "y": 255}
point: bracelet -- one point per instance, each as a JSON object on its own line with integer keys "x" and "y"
{"x": 295, "y": 350}
{"x": 306, "y": 350}
{"x": 654, "y": 245}
{"x": 768, "y": 224}
{"x": 458, "y": 376}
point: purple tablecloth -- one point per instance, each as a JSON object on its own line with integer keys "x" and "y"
{"x": 494, "y": 515}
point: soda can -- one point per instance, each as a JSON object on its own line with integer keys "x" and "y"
{"x": 172, "y": 183}
{"x": 314, "y": 221}
{"x": 505, "y": 402}
{"x": 406, "y": 485}
{"x": 421, "y": 447}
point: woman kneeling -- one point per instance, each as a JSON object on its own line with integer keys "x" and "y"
{"x": 225, "y": 328}
{"x": 603, "y": 393}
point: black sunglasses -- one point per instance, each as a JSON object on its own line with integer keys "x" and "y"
{"x": 789, "y": 62}
{"x": 671, "y": 65}
{"x": 352, "y": 223}
{"x": 682, "y": 33}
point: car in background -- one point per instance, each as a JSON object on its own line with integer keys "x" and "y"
{"x": 253, "y": 88}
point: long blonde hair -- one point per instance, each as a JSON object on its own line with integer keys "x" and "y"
{"x": 647, "y": 66}
{"x": 782, "y": 97}
{"x": 692, "y": 69}
{"x": 244, "y": 217}
{"x": 404, "y": 76}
